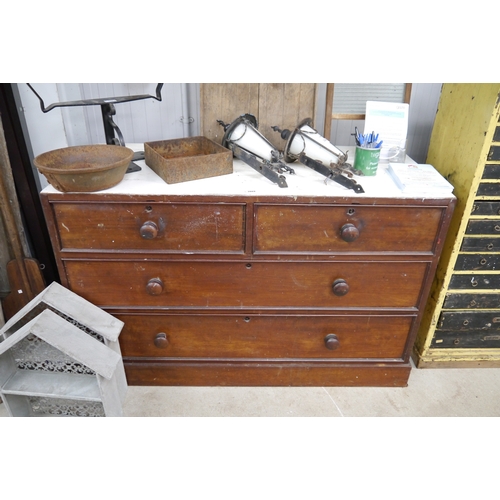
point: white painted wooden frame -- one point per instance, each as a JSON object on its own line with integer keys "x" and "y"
{"x": 77, "y": 310}
{"x": 80, "y": 331}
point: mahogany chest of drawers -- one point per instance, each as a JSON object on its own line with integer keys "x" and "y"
{"x": 235, "y": 281}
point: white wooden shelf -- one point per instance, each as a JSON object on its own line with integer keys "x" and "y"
{"x": 55, "y": 385}
{"x": 59, "y": 356}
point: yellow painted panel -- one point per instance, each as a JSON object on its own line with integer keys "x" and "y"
{"x": 464, "y": 118}
{"x": 462, "y": 134}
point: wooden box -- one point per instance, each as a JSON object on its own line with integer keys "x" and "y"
{"x": 188, "y": 159}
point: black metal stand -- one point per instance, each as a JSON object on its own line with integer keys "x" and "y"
{"x": 111, "y": 130}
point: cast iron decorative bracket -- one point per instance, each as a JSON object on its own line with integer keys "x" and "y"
{"x": 332, "y": 174}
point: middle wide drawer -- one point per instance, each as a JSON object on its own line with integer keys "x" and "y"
{"x": 255, "y": 284}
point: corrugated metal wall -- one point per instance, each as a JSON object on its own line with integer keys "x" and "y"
{"x": 423, "y": 106}
{"x": 350, "y": 98}
{"x": 140, "y": 121}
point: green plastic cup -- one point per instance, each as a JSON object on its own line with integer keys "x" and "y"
{"x": 366, "y": 160}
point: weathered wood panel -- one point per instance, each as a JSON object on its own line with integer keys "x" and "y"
{"x": 465, "y": 321}
{"x": 477, "y": 262}
{"x": 284, "y": 105}
{"x": 474, "y": 282}
{"x": 225, "y": 101}
{"x": 281, "y": 104}
{"x": 472, "y": 301}
{"x": 484, "y": 226}
{"x": 491, "y": 171}
{"x": 470, "y": 340}
{"x": 488, "y": 189}
{"x": 481, "y": 244}
{"x": 494, "y": 153}
{"x": 496, "y": 136}
{"x": 486, "y": 208}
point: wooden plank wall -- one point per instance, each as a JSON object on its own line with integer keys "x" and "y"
{"x": 281, "y": 104}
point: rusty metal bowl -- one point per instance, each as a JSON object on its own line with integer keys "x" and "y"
{"x": 84, "y": 169}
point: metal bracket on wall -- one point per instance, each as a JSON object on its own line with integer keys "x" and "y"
{"x": 332, "y": 173}
{"x": 268, "y": 169}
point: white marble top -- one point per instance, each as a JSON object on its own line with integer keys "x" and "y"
{"x": 246, "y": 181}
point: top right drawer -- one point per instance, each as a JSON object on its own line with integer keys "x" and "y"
{"x": 346, "y": 228}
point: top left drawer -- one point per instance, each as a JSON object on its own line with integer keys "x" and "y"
{"x": 156, "y": 227}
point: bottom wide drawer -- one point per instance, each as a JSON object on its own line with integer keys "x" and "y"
{"x": 264, "y": 336}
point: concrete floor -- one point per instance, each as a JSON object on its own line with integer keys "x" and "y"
{"x": 468, "y": 392}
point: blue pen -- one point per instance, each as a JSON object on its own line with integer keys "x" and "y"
{"x": 358, "y": 136}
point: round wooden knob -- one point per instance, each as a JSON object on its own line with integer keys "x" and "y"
{"x": 149, "y": 230}
{"x": 332, "y": 342}
{"x": 349, "y": 232}
{"x": 340, "y": 287}
{"x": 161, "y": 340}
{"x": 154, "y": 286}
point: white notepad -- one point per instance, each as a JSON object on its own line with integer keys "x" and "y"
{"x": 414, "y": 177}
